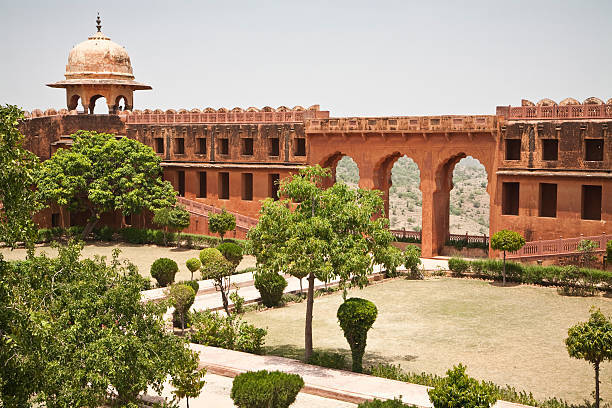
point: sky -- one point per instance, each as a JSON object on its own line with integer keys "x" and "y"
{"x": 354, "y": 58}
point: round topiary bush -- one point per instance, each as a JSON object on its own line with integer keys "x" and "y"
{"x": 208, "y": 255}
{"x": 192, "y": 284}
{"x": 265, "y": 389}
{"x": 270, "y": 286}
{"x": 356, "y": 317}
{"x": 164, "y": 270}
{"x": 231, "y": 251}
{"x": 182, "y": 297}
{"x": 193, "y": 264}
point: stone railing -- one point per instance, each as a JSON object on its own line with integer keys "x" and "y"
{"x": 403, "y": 124}
{"x": 561, "y": 246}
{"x": 198, "y": 208}
{"x": 406, "y": 234}
{"x": 481, "y": 239}
{"x": 586, "y": 111}
{"x": 221, "y": 117}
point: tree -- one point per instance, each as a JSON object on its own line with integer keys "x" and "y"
{"x": 591, "y": 341}
{"x": 356, "y": 317}
{"x": 101, "y": 174}
{"x": 328, "y": 232}
{"x": 587, "y": 248}
{"x": 193, "y": 264}
{"x": 17, "y": 180}
{"x": 232, "y": 252}
{"x": 78, "y": 329}
{"x": 219, "y": 269}
{"x": 221, "y": 223}
{"x": 506, "y": 240}
{"x": 172, "y": 218}
{"x": 181, "y": 297}
{"x": 189, "y": 382}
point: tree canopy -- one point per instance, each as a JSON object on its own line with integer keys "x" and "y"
{"x": 506, "y": 240}
{"x": 103, "y": 173}
{"x": 327, "y": 232}
{"x": 221, "y": 223}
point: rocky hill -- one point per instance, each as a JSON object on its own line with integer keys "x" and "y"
{"x": 469, "y": 201}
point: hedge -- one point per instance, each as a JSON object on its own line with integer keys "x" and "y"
{"x": 265, "y": 389}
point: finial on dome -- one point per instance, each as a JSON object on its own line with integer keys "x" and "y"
{"x": 99, "y": 23}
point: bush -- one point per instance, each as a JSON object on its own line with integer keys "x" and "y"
{"x": 609, "y": 251}
{"x": 231, "y": 251}
{"x": 181, "y": 297}
{"x": 263, "y": 389}
{"x": 74, "y": 231}
{"x": 270, "y": 286}
{"x": 193, "y": 264}
{"x": 459, "y": 244}
{"x": 412, "y": 259}
{"x": 394, "y": 403}
{"x": 238, "y": 302}
{"x": 163, "y": 271}
{"x": 104, "y": 234}
{"x": 228, "y": 332}
{"x": 327, "y": 359}
{"x": 458, "y": 266}
{"x": 459, "y": 390}
{"x": 356, "y": 317}
{"x": 192, "y": 284}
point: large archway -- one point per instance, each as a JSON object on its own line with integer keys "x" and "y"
{"x": 469, "y": 199}
{"x": 405, "y": 198}
{"x": 98, "y": 104}
{"x": 347, "y": 171}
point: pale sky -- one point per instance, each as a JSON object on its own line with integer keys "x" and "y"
{"x": 354, "y": 58}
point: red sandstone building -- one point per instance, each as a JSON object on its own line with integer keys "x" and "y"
{"x": 549, "y": 164}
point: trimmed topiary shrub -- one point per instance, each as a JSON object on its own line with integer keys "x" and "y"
{"x": 460, "y": 390}
{"x": 192, "y": 284}
{"x": 163, "y": 271}
{"x": 271, "y": 286}
{"x": 193, "y": 264}
{"x": 265, "y": 389}
{"x": 356, "y": 317}
{"x": 394, "y": 403}
{"x": 458, "y": 266}
{"x": 231, "y": 251}
{"x": 181, "y": 297}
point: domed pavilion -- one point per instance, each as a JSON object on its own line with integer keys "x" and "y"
{"x": 99, "y": 67}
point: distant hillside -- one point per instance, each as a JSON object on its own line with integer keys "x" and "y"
{"x": 469, "y": 201}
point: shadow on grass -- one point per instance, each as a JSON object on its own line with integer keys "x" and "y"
{"x": 507, "y": 285}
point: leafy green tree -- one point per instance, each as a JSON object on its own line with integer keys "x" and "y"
{"x": 457, "y": 389}
{"x": 219, "y": 269}
{"x": 181, "y": 297}
{"x": 17, "y": 178}
{"x": 356, "y": 317}
{"x": 506, "y": 240}
{"x": 232, "y": 252}
{"x": 221, "y": 223}
{"x": 587, "y": 248}
{"x": 193, "y": 264}
{"x": 102, "y": 173}
{"x": 172, "y": 219}
{"x": 591, "y": 341}
{"x": 78, "y": 329}
{"x": 189, "y": 382}
{"x": 328, "y": 232}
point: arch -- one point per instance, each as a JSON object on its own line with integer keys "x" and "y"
{"x": 209, "y": 110}
{"x": 282, "y": 108}
{"x": 267, "y": 109}
{"x": 195, "y": 110}
{"x": 593, "y": 101}
{"x": 158, "y": 111}
{"x": 237, "y": 109}
{"x": 170, "y": 112}
{"x": 93, "y": 101}
{"x": 569, "y": 101}
{"x": 546, "y": 102}
{"x": 609, "y": 101}
{"x": 74, "y": 101}
{"x": 50, "y": 112}
{"x": 525, "y": 102}
{"x": 222, "y": 110}
{"x": 147, "y": 111}
{"x": 252, "y": 109}
{"x": 121, "y": 104}
{"x": 405, "y": 196}
{"x": 298, "y": 108}
{"x": 181, "y": 111}
{"x": 347, "y": 171}
{"x": 469, "y": 199}
{"x": 331, "y": 162}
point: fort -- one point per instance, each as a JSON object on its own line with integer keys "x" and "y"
{"x": 548, "y": 164}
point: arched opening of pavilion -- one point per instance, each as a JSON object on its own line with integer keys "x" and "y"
{"x": 347, "y": 172}
{"x": 469, "y": 199}
{"x": 98, "y": 104}
{"x": 405, "y": 198}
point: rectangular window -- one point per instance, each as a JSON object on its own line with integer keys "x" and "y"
{"x": 55, "y": 220}
{"x": 513, "y": 149}
{"x": 201, "y": 145}
{"x": 300, "y": 146}
{"x": 224, "y": 185}
{"x": 247, "y": 186}
{"x": 247, "y": 146}
{"x": 594, "y": 149}
{"x": 159, "y": 145}
{"x": 510, "y": 198}
{"x": 181, "y": 183}
{"x": 591, "y": 202}
{"x": 223, "y": 146}
{"x": 202, "y": 193}
{"x": 548, "y": 200}
{"x": 274, "y": 146}
{"x": 273, "y": 185}
{"x": 550, "y": 149}
{"x": 179, "y": 145}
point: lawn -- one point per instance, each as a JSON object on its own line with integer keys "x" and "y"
{"x": 510, "y": 335}
{"x": 142, "y": 256}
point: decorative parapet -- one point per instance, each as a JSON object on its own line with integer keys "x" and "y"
{"x": 433, "y": 124}
{"x": 569, "y": 108}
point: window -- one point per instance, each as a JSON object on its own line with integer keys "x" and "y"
{"x": 55, "y": 220}
{"x": 273, "y": 185}
{"x": 181, "y": 183}
{"x": 550, "y": 149}
{"x": 247, "y": 186}
{"x": 593, "y": 149}
{"x": 202, "y": 193}
{"x": 224, "y": 185}
{"x": 247, "y": 146}
{"x": 127, "y": 219}
{"x": 510, "y": 198}
{"x": 513, "y": 149}
{"x": 591, "y": 202}
{"x": 548, "y": 200}
{"x": 201, "y": 145}
{"x": 159, "y": 145}
{"x": 300, "y": 146}
{"x": 179, "y": 145}
{"x": 224, "y": 146}
{"x": 274, "y": 146}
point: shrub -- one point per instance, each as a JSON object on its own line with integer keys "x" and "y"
{"x": 327, "y": 359}
{"x": 238, "y": 302}
{"x": 74, "y": 231}
{"x": 104, "y": 233}
{"x": 356, "y": 317}
{"x": 458, "y": 266}
{"x": 270, "y": 286}
{"x": 412, "y": 259}
{"x": 263, "y": 389}
{"x": 231, "y": 251}
{"x": 163, "y": 271}
{"x": 193, "y": 264}
{"x": 229, "y": 332}
{"x": 394, "y": 403}
{"x": 459, "y": 390}
{"x": 192, "y": 284}
{"x": 609, "y": 250}
{"x": 181, "y": 297}
{"x": 390, "y": 256}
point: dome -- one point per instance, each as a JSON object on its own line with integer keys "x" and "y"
{"x": 99, "y": 57}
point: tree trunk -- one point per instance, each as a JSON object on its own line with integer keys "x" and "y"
{"x": 301, "y": 289}
{"x": 182, "y": 324}
{"x": 504, "y": 271}
{"x": 187, "y": 402}
{"x": 224, "y": 299}
{"x": 91, "y": 224}
{"x": 597, "y": 385}
{"x": 308, "y": 328}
